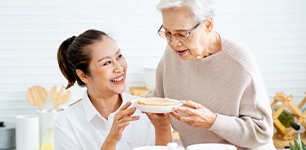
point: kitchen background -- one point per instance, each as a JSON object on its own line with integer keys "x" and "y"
{"x": 31, "y": 31}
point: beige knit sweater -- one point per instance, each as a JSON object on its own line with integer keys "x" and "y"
{"x": 229, "y": 84}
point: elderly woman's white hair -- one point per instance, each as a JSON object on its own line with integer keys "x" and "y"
{"x": 200, "y": 8}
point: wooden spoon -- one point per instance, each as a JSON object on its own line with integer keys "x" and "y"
{"x": 60, "y": 97}
{"x": 37, "y": 95}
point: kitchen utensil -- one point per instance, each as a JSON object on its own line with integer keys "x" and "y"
{"x": 37, "y": 95}
{"x": 7, "y": 135}
{"x": 60, "y": 97}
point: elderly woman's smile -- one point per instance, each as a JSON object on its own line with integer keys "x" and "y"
{"x": 181, "y": 52}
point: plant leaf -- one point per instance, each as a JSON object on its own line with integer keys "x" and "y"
{"x": 291, "y": 147}
{"x": 303, "y": 145}
{"x": 296, "y": 143}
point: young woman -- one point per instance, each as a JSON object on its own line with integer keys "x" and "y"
{"x": 103, "y": 119}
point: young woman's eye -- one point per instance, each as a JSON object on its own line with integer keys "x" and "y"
{"x": 106, "y": 63}
{"x": 119, "y": 56}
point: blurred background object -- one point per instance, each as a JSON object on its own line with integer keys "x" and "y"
{"x": 31, "y": 32}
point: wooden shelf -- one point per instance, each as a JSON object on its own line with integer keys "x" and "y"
{"x": 280, "y": 143}
{"x": 138, "y": 91}
{"x": 283, "y": 136}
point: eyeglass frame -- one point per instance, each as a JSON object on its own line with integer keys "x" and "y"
{"x": 186, "y": 36}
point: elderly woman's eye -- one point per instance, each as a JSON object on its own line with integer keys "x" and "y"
{"x": 179, "y": 35}
{"x": 168, "y": 34}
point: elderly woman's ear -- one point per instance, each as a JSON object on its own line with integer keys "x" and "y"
{"x": 209, "y": 24}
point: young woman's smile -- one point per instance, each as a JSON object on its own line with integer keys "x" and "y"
{"x": 118, "y": 80}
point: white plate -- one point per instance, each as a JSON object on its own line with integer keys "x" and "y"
{"x": 151, "y": 148}
{"x": 156, "y": 109}
{"x": 211, "y": 146}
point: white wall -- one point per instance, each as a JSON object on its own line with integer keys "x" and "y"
{"x": 31, "y": 31}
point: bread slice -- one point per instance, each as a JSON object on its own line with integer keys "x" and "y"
{"x": 155, "y": 101}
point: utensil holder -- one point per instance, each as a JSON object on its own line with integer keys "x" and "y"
{"x": 46, "y": 123}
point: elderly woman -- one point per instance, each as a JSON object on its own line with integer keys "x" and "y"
{"x": 226, "y": 99}
{"x": 103, "y": 119}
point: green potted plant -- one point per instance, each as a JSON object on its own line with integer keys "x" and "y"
{"x": 298, "y": 144}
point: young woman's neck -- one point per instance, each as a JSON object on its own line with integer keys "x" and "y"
{"x": 106, "y": 105}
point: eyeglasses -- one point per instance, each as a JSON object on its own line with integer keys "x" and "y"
{"x": 181, "y": 37}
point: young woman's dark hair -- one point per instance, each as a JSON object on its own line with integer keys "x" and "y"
{"x": 74, "y": 53}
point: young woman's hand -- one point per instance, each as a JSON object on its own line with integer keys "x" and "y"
{"x": 121, "y": 119}
{"x": 161, "y": 123}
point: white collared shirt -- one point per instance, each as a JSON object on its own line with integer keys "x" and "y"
{"x": 81, "y": 127}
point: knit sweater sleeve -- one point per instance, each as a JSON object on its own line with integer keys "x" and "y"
{"x": 254, "y": 126}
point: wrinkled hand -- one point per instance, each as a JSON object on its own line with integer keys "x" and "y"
{"x": 194, "y": 114}
{"x": 121, "y": 119}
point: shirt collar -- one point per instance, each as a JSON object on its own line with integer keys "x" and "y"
{"x": 91, "y": 111}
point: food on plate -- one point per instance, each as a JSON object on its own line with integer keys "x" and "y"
{"x": 156, "y": 105}
{"x": 155, "y": 101}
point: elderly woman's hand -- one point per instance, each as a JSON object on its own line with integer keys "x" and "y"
{"x": 194, "y": 114}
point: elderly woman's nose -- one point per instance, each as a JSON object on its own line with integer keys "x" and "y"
{"x": 175, "y": 42}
